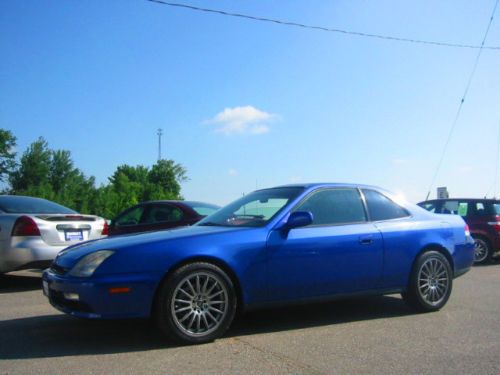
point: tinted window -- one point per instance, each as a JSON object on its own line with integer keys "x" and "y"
{"x": 334, "y": 206}
{"x": 455, "y": 208}
{"x": 496, "y": 208}
{"x": 161, "y": 214}
{"x": 481, "y": 209}
{"x": 27, "y": 205}
{"x": 429, "y": 206}
{"x": 485, "y": 208}
{"x": 382, "y": 208}
{"x": 131, "y": 217}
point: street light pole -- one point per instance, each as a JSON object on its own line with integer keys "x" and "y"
{"x": 159, "y": 133}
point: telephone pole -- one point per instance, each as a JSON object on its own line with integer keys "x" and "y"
{"x": 159, "y": 133}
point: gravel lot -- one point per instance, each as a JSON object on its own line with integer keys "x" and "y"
{"x": 377, "y": 335}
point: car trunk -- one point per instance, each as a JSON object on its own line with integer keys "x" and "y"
{"x": 68, "y": 229}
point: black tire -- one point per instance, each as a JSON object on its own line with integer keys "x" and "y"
{"x": 196, "y": 304}
{"x": 431, "y": 282}
{"x": 482, "y": 250}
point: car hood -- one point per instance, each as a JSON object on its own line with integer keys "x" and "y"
{"x": 69, "y": 256}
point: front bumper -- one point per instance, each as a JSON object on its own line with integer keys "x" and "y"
{"x": 94, "y": 298}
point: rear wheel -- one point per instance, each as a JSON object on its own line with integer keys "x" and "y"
{"x": 196, "y": 304}
{"x": 430, "y": 282}
{"x": 482, "y": 250}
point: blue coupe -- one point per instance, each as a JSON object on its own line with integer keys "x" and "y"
{"x": 284, "y": 245}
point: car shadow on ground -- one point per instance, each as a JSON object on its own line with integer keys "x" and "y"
{"x": 61, "y": 335}
{"x": 21, "y": 281}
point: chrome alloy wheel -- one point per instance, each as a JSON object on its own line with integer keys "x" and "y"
{"x": 433, "y": 281}
{"x": 199, "y": 304}
{"x": 480, "y": 250}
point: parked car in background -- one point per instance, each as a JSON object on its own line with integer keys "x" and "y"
{"x": 482, "y": 216}
{"x": 158, "y": 215}
{"x": 281, "y": 245}
{"x": 34, "y": 230}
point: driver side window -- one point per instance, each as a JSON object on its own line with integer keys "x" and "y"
{"x": 334, "y": 206}
{"x": 132, "y": 217}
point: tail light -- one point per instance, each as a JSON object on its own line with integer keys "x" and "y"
{"x": 105, "y": 229}
{"x": 25, "y": 226}
{"x": 495, "y": 224}
{"x": 467, "y": 230}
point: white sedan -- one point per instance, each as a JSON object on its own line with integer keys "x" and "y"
{"x": 33, "y": 231}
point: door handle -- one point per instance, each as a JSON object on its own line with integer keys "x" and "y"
{"x": 365, "y": 240}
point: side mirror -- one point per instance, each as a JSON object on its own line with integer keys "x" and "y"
{"x": 299, "y": 219}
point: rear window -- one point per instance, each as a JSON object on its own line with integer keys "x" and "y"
{"x": 28, "y": 205}
{"x": 382, "y": 208}
{"x": 496, "y": 206}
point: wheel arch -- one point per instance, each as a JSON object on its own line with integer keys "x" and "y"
{"x": 435, "y": 247}
{"x": 206, "y": 259}
{"x": 481, "y": 236}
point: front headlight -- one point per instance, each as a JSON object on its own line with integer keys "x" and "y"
{"x": 89, "y": 263}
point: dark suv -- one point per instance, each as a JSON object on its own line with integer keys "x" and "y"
{"x": 481, "y": 215}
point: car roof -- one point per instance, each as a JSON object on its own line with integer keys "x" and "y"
{"x": 179, "y": 202}
{"x": 327, "y": 184}
{"x": 462, "y": 199}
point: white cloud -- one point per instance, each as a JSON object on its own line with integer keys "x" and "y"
{"x": 242, "y": 120}
{"x": 233, "y": 172}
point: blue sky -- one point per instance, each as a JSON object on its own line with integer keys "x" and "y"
{"x": 245, "y": 104}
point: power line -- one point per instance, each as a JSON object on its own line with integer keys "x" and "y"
{"x": 322, "y": 28}
{"x": 459, "y": 110}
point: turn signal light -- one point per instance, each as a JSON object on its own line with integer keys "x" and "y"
{"x": 467, "y": 230}
{"x": 117, "y": 290}
{"x": 25, "y": 226}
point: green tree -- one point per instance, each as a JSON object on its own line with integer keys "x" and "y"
{"x": 7, "y": 153}
{"x": 165, "y": 180}
{"x": 51, "y": 174}
{"x": 32, "y": 175}
{"x": 130, "y": 185}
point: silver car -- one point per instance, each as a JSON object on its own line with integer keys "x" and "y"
{"x": 33, "y": 231}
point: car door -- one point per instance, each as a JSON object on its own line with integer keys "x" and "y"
{"x": 340, "y": 252}
{"x": 401, "y": 236}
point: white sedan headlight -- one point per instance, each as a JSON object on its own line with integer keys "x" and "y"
{"x": 89, "y": 263}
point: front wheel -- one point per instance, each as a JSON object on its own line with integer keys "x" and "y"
{"x": 430, "y": 283}
{"x": 196, "y": 304}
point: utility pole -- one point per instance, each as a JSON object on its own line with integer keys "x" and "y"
{"x": 159, "y": 133}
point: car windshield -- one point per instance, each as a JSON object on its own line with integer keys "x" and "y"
{"x": 27, "y": 205}
{"x": 254, "y": 209}
{"x": 202, "y": 209}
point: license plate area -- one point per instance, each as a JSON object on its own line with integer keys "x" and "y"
{"x": 73, "y": 235}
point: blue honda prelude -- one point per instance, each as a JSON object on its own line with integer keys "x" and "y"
{"x": 284, "y": 245}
